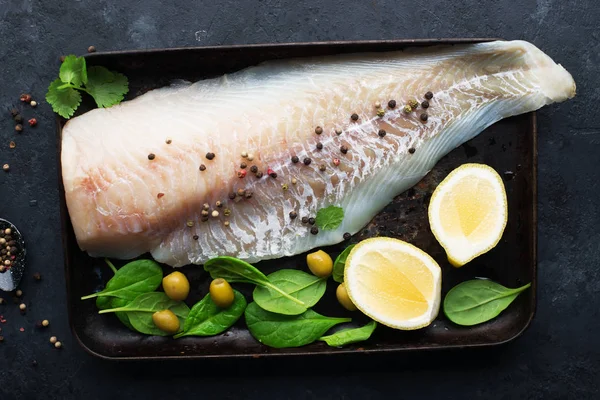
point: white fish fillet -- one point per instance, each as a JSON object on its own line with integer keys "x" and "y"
{"x": 271, "y": 110}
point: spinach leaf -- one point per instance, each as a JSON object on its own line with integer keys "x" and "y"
{"x": 116, "y": 302}
{"x": 140, "y": 311}
{"x": 479, "y": 300}
{"x": 351, "y": 335}
{"x": 235, "y": 270}
{"x": 206, "y": 319}
{"x": 305, "y": 287}
{"x": 131, "y": 280}
{"x": 340, "y": 263}
{"x": 276, "y": 330}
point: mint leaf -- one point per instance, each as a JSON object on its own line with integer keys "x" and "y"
{"x": 329, "y": 218}
{"x": 106, "y": 87}
{"x": 73, "y": 70}
{"x": 64, "y": 101}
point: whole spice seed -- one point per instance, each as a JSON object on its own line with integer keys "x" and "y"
{"x": 307, "y": 161}
{"x": 151, "y": 156}
{"x": 190, "y": 224}
{"x": 168, "y": 141}
{"x": 377, "y": 104}
{"x": 18, "y": 118}
{"x": 160, "y": 195}
{"x": 195, "y": 237}
{"x": 423, "y": 117}
{"x": 429, "y": 95}
{"x": 412, "y": 150}
{"x": 314, "y": 230}
{"x": 338, "y": 131}
{"x": 293, "y": 214}
{"x": 243, "y": 165}
{"x": 318, "y": 130}
{"x": 6, "y": 167}
{"x": 58, "y": 345}
{"x": 425, "y": 104}
{"x": 381, "y": 133}
{"x": 62, "y": 58}
{"x": 254, "y": 169}
{"x": 19, "y": 293}
{"x": 25, "y": 98}
{"x": 231, "y": 195}
{"x": 304, "y": 220}
{"x": 248, "y": 194}
{"x": 319, "y": 146}
{"x": 413, "y": 104}
{"x": 294, "y": 181}
{"x": 392, "y": 104}
{"x": 259, "y": 174}
{"x": 204, "y": 218}
{"x": 272, "y": 173}
{"x": 14, "y": 112}
{"x": 354, "y": 117}
{"x": 227, "y": 212}
{"x": 241, "y": 173}
{"x": 250, "y": 157}
{"x": 12, "y": 145}
{"x": 32, "y": 122}
{"x": 210, "y": 156}
{"x": 311, "y": 221}
{"x": 241, "y": 192}
{"x": 347, "y": 236}
{"x": 45, "y": 323}
{"x": 284, "y": 186}
{"x": 295, "y": 159}
{"x": 1, "y": 300}
{"x": 37, "y": 276}
{"x": 214, "y": 214}
{"x": 19, "y": 128}
{"x": 91, "y": 49}
{"x": 244, "y": 154}
{"x": 322, "y": 167}
{"x": 219, "y": 204}
{"x": 226, "y": 223}
{"x": 53, "y": 339}
{"x": 407, "y": 109}
{"x": 344, "y": 149}
{"x": 22, "y": 307}
{"x": 202, "y": 167}
{"x": 33, "y": 103}
{"x": 1, "y": 339}
{"x": 336, "y": 161}
{"x": 380, "y": 112}
{"x": 206, "y": 206}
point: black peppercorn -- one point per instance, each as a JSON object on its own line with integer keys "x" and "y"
{"x": 412, "y": 150}
{"x": 392, "y": 104}
{"x": 314, "y": 230}
{"x": 295, "y": 159}
{"x": 319, "y": 146}
{"x": 293, "y": 214}
{"x": 429, "y": 95}
{"x": 322, "y": 167}
{"x": 354, "y": 117}
{"x": 305, "y": 220}
{"x": 381, "y": 133}
{"x": 347, "y": 236}
{"x": 425, "y": 104}
{"x": 18, "y": 118}
{"x": 151, "y": 156}
{"x": 210, "y": 156}
{"x": 259, "y": 174}
{"x": 243, "y": 165}
{"x": 311, "y": 221}
{"x": 254, "y": 169}
{"x": 307, "y": 161}
{"x": 423, "y": 117}
{"x": 318, "y": 130}
{"x": 344, "y": 149}
{"x": 232, "y": 195}
{"x": 195, "y": 237}
{"x": 202, "y": 167}
{"x": 14, "y": 112}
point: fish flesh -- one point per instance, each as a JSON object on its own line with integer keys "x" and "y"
{"x": 138, "y": 177}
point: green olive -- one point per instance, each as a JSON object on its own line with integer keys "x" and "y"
{"x": 176, "y": 286}
{"x": 343, "y": 298}
{"x": 221, "y": 293}
{"x": 166, "y": 321}
{"x": 319, "y": 263}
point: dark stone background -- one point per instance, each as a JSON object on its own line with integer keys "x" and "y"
{"x": 558, "y": 357}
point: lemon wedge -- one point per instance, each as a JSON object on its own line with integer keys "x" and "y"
{"x": 468, "y": 212}
{"x": 394, "y": 283}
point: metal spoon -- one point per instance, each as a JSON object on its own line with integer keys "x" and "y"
{"x": 10, "y": 278}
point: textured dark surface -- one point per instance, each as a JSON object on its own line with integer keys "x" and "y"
{"x": 558, "y": 357}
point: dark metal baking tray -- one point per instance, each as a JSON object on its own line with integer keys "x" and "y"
{"x": 508, "y": 146}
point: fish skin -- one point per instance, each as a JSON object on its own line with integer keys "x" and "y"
{"x": 271, "y": 110}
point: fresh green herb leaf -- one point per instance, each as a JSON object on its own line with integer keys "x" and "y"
{"x": 279, "y": 331}
{"x": 329, "y": 218}
{"x": 351, "y": 335}
{"x": 476, "y": 301}
{"x": 235, "y": 270}
{"x": 133, "y": 279}
{"x": 73, "y": 71}
{"x": 340, "y": 263}
{"x": 140, "y": 311}
{"x": 305, "y": 287}
{"x": 207, "y": 319}
{"x": 106, "y": 87}
{"x": 64, "y": 101}
{"x": 116, "y": 302}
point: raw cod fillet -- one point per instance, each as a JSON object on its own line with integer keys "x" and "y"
{"x": 122, "y": 204}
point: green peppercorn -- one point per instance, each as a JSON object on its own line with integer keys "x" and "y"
{"x": 380, "y": 112}
{"x": 413, "y": 104}
{"x": 407, "y": 109}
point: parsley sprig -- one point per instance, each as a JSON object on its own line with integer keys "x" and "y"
{"x": 106, "y": 87}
